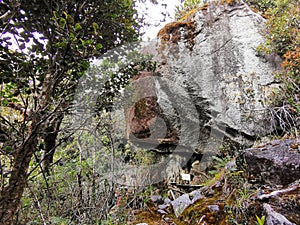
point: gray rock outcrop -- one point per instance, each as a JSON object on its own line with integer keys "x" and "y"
{"x": 226, "y": 80}
{"x": 210, "y": 64}
{"x": 211, "y": 83}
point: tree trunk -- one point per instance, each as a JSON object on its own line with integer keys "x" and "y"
{"x": 11, "y": 195}
{"x": 50, "y": 137}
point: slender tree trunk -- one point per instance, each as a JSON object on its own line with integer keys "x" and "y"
{"x": 11, "y": 195}
{"x": 50, "y": 137}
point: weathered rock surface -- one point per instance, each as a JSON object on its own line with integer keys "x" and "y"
{"x": 282, "y": 206}
{"x": 145, "y": 118}
{"x": 213, "y": 82}
{"x": 275, "y": 218}
{"x": 275, "y": 163}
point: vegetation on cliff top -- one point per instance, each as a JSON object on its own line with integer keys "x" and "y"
{"x": 283, "y": 38}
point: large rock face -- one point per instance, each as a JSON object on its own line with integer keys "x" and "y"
{"x": 212, "y": 57}
{"x": 211, "y": 83}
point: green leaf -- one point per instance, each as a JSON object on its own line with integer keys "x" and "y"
{"x": 218, "y": 159}
{"x": 62, "y": 22}
{"x": 78, "y": 27}
{"x": 99, "y": 46}
{"x": 95, "y": 26}
{"x": 66, "y": 14}
{"x": 55, "y": 14}
{"x": 87, "y": 42}
{"x": 8, "y": 149}
{"x": 260, "y": 221}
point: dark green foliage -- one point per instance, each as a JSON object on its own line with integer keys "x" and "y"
{"x": 262, "y": 5}
{"x": 46, "y": 47}
{"x": 118, "y": 80}
{"x": 63, "y": 36}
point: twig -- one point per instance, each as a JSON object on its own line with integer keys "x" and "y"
{"x": 173, "y": 196}
{"x": 42, "y": 171}
{"x": 201, "y": 219}
{"x": 38, "y": 204}
{"x": 276, "y": 193}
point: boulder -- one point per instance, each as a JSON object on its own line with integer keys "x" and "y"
{"x": 274, "y": 163}
{"x": 211, "y": 82}
{"x": 227, "y": 81}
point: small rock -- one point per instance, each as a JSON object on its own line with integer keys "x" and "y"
{"x": 167, "y": 219}
{"x": 167, "y": 201}
{"x": 155, "y": 198}
{"x": 214, "y": 208}
{"x": 163, "y": 206}
{"x": 231, "y": 165}
{"x": 163, "y": 212}
{"x": 142, "y": 224}
{"x": 211, "y": 192}
{"x": 180, "y": 204}
{"x": 196, "y": 195}
{"x": 218, "y": 184}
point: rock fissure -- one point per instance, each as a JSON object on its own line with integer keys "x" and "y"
{"x": 221, "y": 47}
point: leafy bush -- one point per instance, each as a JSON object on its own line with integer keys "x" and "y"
{"x": 283, "y": 27}
{"x": 261, "y": 5}
{"x": 283, "y": 38}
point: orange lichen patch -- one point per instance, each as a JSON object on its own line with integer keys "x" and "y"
{"x": 193, "y": 11}
{"x": 175, "y": 31}
{"x": 230, "y": 2}
{"x": 292, "y": 59}
{"x": 171, "y": 30}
